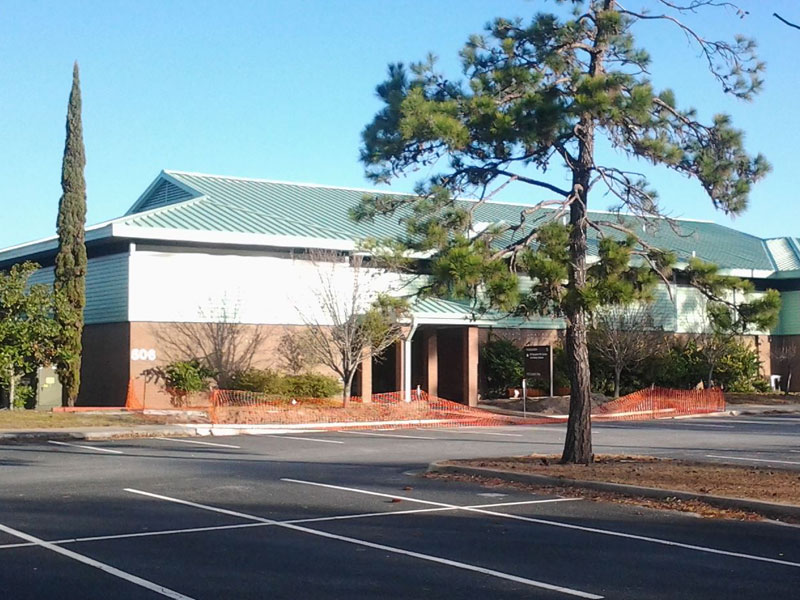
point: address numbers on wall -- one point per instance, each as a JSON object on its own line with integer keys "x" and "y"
{"x": 143, "y": 354}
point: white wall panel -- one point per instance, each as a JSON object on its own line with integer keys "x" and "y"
{"x": 197, "y": 287}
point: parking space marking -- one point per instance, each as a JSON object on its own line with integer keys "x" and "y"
{"x": 385, "y": 513}
{"x": 382, "y": 547}
{"x": 308, "y": 439}
{"x": 95, "y": 448}
{"x": 459, "y": 431}
{"x": 765, "y": 460}
{"x": 391, "y": 435}
{"x": 700, "y": 423}
{"x": 154, "y": 587}
{"x": 608, "y": 532}
{"x": 199, "y": 443}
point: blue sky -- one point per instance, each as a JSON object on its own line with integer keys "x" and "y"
{"x": 281, "y": 89}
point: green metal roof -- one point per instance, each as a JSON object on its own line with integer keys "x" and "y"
{"x": 215, "y": 208}
{"x": 257, "y": 206}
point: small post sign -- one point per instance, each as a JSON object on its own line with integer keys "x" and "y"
{"x": 539, "y": 364}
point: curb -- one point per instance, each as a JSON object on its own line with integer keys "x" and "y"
{"x": 773, "y": 510}
{"x": 99, "y": 435}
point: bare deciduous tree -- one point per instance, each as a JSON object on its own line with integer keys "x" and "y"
{"x": 623, "y": 337}
{"x": 351, "y": 321}
{"x": 293, "y": 353}
{"x": 219, "y": 342}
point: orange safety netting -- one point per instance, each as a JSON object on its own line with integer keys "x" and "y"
{"x": 384, "y": 410}
{"x": 167, "y": 400}
{"x": 657, "y": 403}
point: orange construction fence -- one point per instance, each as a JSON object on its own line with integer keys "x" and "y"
{"x": 659, "y": 403}
{"x": 384, "y": 410}
{"x": 391, "y": 410}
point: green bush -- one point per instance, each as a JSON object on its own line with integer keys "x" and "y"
{"x": 312, "y": 385}
{"x": 682, "y": 366}
{"x": 738, "y": 369}
{"x": 187, "y": 376}
{"x": 259, "y": 380}
{"x": 305, "y": 385}
{"x": 503, "y": 363}
{"x": 24, "y": 396}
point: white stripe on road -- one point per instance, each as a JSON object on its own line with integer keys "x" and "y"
{"x": 765, "y": 460}
{"x": 706, "y": 424}
{"x": 95, "y": 448}
{"x": 307, "y": 439}
{"x": 459, "y": 431}
{"x": 767, "y": 421}
{"x": 382, "y": 547}
{"x": 391, "y": 435}
{"x": 153, "y": 587}
{"x": 608, "y": 532}
{"x": 199, "y": 443}
{"x": 385, "y": 513}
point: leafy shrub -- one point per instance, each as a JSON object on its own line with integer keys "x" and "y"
{"x": 24, "y": 396}
{"x": 503, "y": 363}
{"x": 683, "y": 365}
{"x": 259, "y": 380}
{"x": 738, "y": 369}
{"x": 187, "y": 376}
{"x": 305, "y": 385}
{"x": 312, "y": 385}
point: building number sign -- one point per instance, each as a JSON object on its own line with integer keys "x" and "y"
{"x": 143, "y": 354}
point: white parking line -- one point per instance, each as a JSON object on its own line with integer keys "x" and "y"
{"x": 95, "y": 448}
{"x": 460, "y": 431}
{"x": 608, "y": 532}
{"x": 382, "y": 547}
{"x": 391, "y": 435}
{"x": 154, "y": 587}
{"x": 700, "y": 423}
{"x": 765, "y": 460}
{"x": 781, "y": 421}
{"x": 307, "y": 439}
{"x": 199, "y": 443}
{"x": 385, "y": 513}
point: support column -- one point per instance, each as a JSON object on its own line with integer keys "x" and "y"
{"x": 469, "y": 365}
{"x": 432, "y": 363}
{"x": 366, "y": 379}
{"x": 399, "y": 378}
{"x": 407, "y": 369}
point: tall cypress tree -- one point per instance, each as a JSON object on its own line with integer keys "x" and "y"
{"x": 71, "y": 261}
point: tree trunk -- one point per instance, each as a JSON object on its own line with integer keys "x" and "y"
{"x": 346, "y": 394}
{"x": 578, "y": 441}
{"x": 617, "y": 373}
{"x": 12, "y": 390}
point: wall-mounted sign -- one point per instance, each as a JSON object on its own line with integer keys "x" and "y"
{"x": 143, "y": 354}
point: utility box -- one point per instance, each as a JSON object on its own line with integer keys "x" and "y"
{"x": 48, "y": 389}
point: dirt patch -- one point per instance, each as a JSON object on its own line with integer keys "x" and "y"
{"x": 763, "y": 399}
{"x": 758, "y": 483}
{"x": 557, "y": 405}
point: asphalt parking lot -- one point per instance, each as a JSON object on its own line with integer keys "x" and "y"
{"x": 343, "y": 514}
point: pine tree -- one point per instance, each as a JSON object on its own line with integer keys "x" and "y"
{"x": 538, "y": 97}
{"x": 71, "y": 261}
